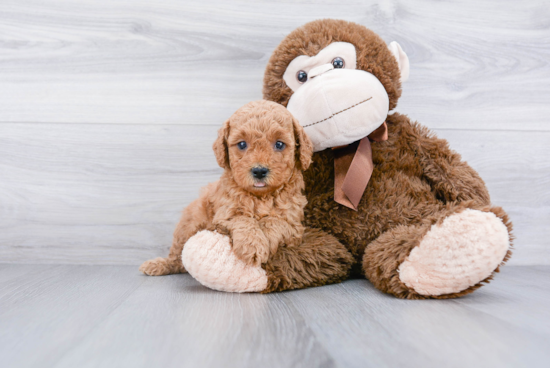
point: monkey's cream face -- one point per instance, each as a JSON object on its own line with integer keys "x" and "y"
{"x": 336, "y": 103}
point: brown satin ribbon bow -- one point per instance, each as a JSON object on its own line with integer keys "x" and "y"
{"x": 353, "y": 168}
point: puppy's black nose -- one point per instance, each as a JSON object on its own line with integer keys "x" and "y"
{"x": 259, "y": 172}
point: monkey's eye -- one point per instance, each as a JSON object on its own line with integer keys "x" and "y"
{"x": 301, "y": 76}
{"x": 338, "y": 63}
{"x": 279, "y": 146}
{"x": 242, "y": 145}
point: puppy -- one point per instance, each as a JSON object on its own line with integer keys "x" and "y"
{"x": 258, "y": 201}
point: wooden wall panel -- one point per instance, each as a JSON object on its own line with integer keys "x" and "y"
{"x": 108, "y": 109}
{"x": 473, "y": 64}
{"x": 113, "y": 193}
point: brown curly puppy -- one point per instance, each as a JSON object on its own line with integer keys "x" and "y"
{"x": 258, "y": 200}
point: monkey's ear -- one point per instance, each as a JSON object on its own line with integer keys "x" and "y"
{"x": 220, "y": 146}
{"x": 304, "y": 147}
{"x": 402, "y": 60}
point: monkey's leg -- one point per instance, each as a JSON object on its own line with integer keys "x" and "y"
{"x": 319, "y": 260}
{"x": 448, "y": 255}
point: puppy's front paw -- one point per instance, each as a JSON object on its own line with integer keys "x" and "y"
{"x": 208, "y": 257}
{"x": 250, "y": 255}
{"x": 252, "y": 249}
{"x": 220, "y": 229}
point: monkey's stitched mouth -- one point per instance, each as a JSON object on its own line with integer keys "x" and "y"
{"x": 336, "y": 113}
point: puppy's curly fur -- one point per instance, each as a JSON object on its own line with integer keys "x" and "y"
{"x": 259, "y": 213}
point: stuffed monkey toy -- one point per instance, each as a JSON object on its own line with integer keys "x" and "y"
{"x": 387, "y": 199}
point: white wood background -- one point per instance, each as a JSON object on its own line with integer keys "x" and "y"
{"x": 108, "y": 109}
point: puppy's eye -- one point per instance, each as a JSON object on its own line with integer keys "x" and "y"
{"x": 279, "y": 146}
{"x": 242, "y": 145}
{"x": 338, "y": 63}
{"x": 301, "y": 76}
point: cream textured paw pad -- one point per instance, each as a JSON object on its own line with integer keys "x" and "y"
{"x": 208, "y": 257}
{"x": 457, "y": 254}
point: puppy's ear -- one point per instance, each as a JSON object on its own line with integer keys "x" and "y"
{"x": 220, "y": 146}
{"x": 304, "y": 147}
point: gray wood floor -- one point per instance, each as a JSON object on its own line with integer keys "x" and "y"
{"x": 111, "y": 316}
{"x": 108, "y": 109}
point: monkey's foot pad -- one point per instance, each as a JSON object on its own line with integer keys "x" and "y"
{"x": 457, "y": 254}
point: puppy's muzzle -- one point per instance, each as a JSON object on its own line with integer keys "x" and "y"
{"x": 259, "y": 172}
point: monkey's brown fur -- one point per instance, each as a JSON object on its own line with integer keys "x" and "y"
{"x": 258, "y": 219}
{"x": 319, "y": 260}
{"x": 417, "y": 181}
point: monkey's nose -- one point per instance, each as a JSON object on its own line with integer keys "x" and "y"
{"x": 318, "y": 70}
{"x": 259, "y": 172}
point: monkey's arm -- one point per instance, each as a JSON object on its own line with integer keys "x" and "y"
{"x": 450, "y": 177}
